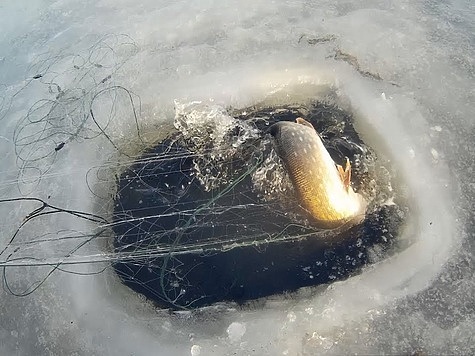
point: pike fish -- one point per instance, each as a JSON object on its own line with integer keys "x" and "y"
{"x": 323, "y": 187}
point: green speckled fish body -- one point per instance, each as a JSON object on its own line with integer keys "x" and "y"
{"x": 322, "y": 188}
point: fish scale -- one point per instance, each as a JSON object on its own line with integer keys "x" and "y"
{"x": 315, "y": 176}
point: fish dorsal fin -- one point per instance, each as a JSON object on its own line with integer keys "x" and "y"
{"x": 302, "y": 121}
{"x": 345, "y": 174}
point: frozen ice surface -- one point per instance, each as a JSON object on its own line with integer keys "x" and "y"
{"x": 236, "y": 331}
{"x": 237, "y": 53}
{"x": 195, "y": 350}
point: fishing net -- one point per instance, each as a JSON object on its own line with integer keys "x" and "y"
{"x": 201, "y": 212}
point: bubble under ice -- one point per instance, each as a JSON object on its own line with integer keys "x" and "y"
{"x": 406, "y": 69}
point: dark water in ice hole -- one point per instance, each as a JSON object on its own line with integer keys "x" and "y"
{"x": 248, "y": 247}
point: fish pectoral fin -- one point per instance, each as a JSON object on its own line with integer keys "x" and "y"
{"x": 302, "y": 121}
{"x": 345, "y": 174}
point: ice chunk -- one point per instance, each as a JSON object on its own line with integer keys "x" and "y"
{"x": 236, "y": 331}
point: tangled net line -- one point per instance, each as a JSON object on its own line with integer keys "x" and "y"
{"x": 85, "y": 101}
{"x": 76, "y": 86}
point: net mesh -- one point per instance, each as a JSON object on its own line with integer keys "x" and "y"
{"x": 205, "y": 214}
